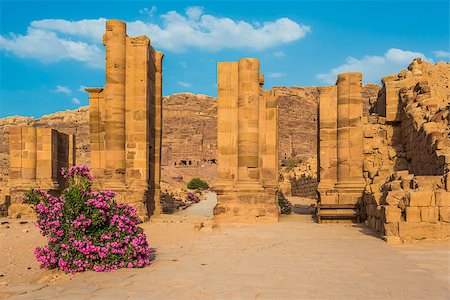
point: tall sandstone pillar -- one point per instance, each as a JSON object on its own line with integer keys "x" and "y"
{"x": 350, "y": 181}
{"x": 247, "y": 145}
{"x": 115, "y": 41}
{"x": 158, "y": 130}
{"x": 327, "y": 144}
{"x": 340, "y": 148}
{"x": 125, "y": 121}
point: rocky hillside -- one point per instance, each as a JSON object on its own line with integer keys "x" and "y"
{"x": 189, "y": 126}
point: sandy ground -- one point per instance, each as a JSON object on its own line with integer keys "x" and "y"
{"x": 293, "y": 259}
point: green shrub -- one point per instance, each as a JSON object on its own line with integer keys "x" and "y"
{"x": 290, "y": 164}
{"x": 197, "y": 184}
{"x": 285, "y": 205}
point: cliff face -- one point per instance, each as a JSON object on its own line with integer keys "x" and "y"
{"x": 190, "y": 130}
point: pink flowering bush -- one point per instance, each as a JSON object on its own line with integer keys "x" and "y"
{"x": 87, "y": 230}
{"x": 192, "y": 197}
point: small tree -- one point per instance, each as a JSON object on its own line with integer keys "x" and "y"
{"x": 197, "y": 183}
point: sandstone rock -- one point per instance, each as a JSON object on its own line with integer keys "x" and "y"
{"x": 413, "y": 214}
{"x": 419, "y": 231}
{"x": 442, "y": 198}
{"x": 16, "y": 211}
{"x": 421, "y": 198}
{"x": 390, "y": 214}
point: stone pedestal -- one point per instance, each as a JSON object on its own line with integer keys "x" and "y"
{"x": 247, "y": 145}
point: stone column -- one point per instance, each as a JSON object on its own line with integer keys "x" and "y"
{"x": 227, "y": 123}
{"x": 72, "y": 158}
{"x": 47, "y": 157}
{"x": 269, "y": 138}
{"x": 97, "y": 116}
{"x": 247, "y": 145}
{"x": 327, "y": 144}
{"x": 248, "y": 118}
{"x": 350, "y": 181}
{"x": 158, "y": 60}
{"x": 115, "y": 42}
{"x": 140, "y": 92}
{"x": 125, "y": 121}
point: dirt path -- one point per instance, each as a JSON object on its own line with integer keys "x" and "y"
{"x": 202, "y": 209}
{"x": 293, "y": 259}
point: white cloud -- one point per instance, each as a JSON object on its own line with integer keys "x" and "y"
{"x": 62, "y": 89}
{"x": 194, "y": 29}
{"x": 194, "y": 12}
{"x": 275, "y": 74}
{"x": 441, "y": 54}
{"x": 92, "y": 29}
{"x": 184, "y": 84}
{"x": 53, "y": 40}
{"x": 75, "y": 101}
{"x": 374, "y": 67}
{"x": 81, "y": 88}
{"x": 279, "y": 54}
{"x": 146, "y": 11}
{"x": 47, "y": 47}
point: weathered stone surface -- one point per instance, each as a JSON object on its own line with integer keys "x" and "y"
{"x": 247, "y": 145}
{"x": 442, "y": 198}
{"x": 125, "y": 121}
{"x": 341, "y": 141}
{"x": 37, "y": 156}
{"x": 421, "y": 198}
{"x": 420, "y": 231}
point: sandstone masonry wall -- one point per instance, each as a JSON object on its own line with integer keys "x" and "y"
{"x": 406, "y": 155}
{"x": 37, "y": 156}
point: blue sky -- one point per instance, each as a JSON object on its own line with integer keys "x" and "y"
{"x": 50, "y": 50}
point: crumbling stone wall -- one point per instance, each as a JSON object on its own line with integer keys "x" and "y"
{"x": 405, "y": 154}
{"x": 36, "y": 158}
{"x": 406, "y": 158}
{"x": 304, "y": 186}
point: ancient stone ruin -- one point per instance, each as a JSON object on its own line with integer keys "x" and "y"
{"x": 247, "y": 145}
{"x": 341, "y": 145}
{"x": 36, "y": 158}
{"x": 399, "y": 153}
{"x": 380, "y": 160}
{"x": 125, "y": 121}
